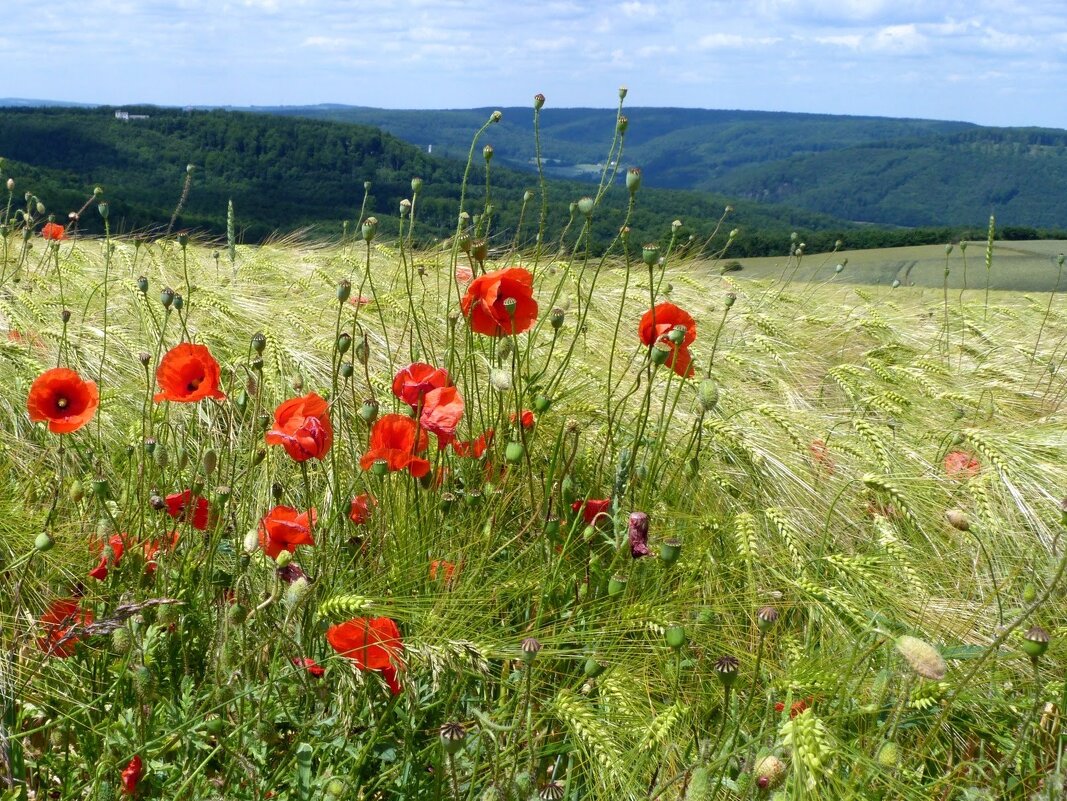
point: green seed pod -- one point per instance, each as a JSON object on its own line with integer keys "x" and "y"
{"x": 416, "y": 185}
{"x": 344, "y": 342}
{"x": 368, "y": 411}
{"x": 120, "y": 640}
{"x": 660, "y": 352}
{"x": 142, "y": 285}
{"x": 650, "y": 254}
{"x": 669, "y": 551}
{"x": 708, "y": 394}
{"x": 100, "y": 489}
{"x": 514, "y": 452}
{"x": 335, "y": 788}
{"x": 616, "y": 585}
{"x": 675, "y": 636}
{"x": 344, "y": 289}
{"x": 44, "y": 542}
{"x": 1035, "y": 642}
{"x": 538, "y": 101}
{"x": 347, "y": 370}
{"x": 541, "y": 404}
{"x": 369, "y": 229}
{"x": 452, "y": 736}
{"x": 633, "y": 179}
{"x": 77, "y": 491}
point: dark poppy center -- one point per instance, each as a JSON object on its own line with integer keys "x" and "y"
{"x": 193, "y": 385}
{"x": 62, "y": 402}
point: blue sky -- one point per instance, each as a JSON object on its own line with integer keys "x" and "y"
{"x": 996, "y": 62}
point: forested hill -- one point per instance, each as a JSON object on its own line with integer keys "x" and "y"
{"x": 288, "y": 172}
{"x": 872, "y": 169}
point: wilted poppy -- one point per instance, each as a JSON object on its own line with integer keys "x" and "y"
{"x": 593, "y": 511}
{"x": 59, "y": 622}
{"x": 411, "y": 383}
{"x": 63, "y": 399}
{"x": 661, "y": 320}
{"x": 359, "y": 511}
{"x": 110, "y": 555}
{"x": 188, "y": 373}
{"x": 283, "y": 528}
{"x": 310, "y": 665}
{"x": 638, "y": 535}
{"x": 131, "y": 775}
{"x": 396, "y": 439}
{"x": 442, "y": 410}
{"x": 302, "y": 426}
{"x": 960, "y": 464}
{"x": 372, "y": 643}
{"x": 474, "y": 448}
{"x": 53, "y": 231}
{"x": 500, "y": 302}
{"x": 192, "y": 509}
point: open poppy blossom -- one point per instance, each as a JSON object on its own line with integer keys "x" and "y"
{"x": 310, "y": 665}
{"x": 501, "y": 302}
{"x": 188, "y": 373}
{"x": 396, "y": 439}
{"x": 131, "y": 775}
{"x": 193, "y": 509}
{"x": 593, "y": 511}
{"x": 60, "y": 621}
{"x": 442, "y": 410}
{"x": 302, "y": 426}
{"x": 63, "y": 399}
{"x": 359, "y": 511}
{"x": 110, "y": 555}
{"x": 412, "y": 383}
{"x": 658, "y": 322}
{"x": 528, "y": 419}
{"x": 960, "y": 464}
{"x": 474, "y": 448}
{"x": 283, "y": 528}
{"x": 151, "y": 549}
{"x": 53, "y": 231}
{"x": 372, "y": 643}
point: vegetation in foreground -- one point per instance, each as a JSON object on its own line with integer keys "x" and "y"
{"x": 363, "y": 521}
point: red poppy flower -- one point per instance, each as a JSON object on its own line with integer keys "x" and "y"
{"x": 59, "y": 622}
{"x": 442, "y": 410}
{"x": 131, "y": 775}
{"x": 412, "y": 383}
{"x": 443, "y": 568}
{"x": 658, "y": 322}
{"x": 463, "y": 275}
{"x": 110, "y": 555}
{"x": 592, "y": 511}
{"x": 283, "y": 528}
{"x": 487, "y": 302}
{"x": 152, "y": 548}
{"x": 188, "y": 373}
{"x": 960, "y": 464}
{"x": 821, "y": 455}
{"x": 372, "y": 643}
{"x": 360, "y": 510}
{"x": 528, "y": 418}
{"x": 302, "y": 426}
{"x": 189, "y": 508}
{"x": 396, "y": 439}
{"x": 310, "y": 665}
{"x": 53, "y": 231}
{"x": 60, "y": 397}
{"x": 474, "y": 448}
{"x": 796, "y": 707}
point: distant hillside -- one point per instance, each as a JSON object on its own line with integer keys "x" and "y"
{"x": 871, "y": 169}
{"x": 288, "y": 172}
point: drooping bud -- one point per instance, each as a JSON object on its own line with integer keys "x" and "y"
{"x": 496, "y": 116}
{"x": 922, "y": 657}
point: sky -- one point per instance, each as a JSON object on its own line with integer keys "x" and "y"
{"x": 994, "y": 62}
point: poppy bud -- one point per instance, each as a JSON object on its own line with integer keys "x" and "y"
{"x": 726, "y": 669}
{"x": 416, "y": 185}
{"x": 586, "y": 205}
{"x": 120, "y": 641}
{"x": 622, "y": 124}
{"x": 237, "y": 613}
{"x": 41, "y": 207}
{"x": 480, "y": 249}
{"x": 10, "y": 184}
{"x": 210, "y": 461}
{"x": 670, "y": 550}
{"x": 888, "y": 755}
{"x": 335, "y": 788}
{"x": 769, "y": 772}
{"x": 1029, "y": 593}
{"x": 367, "y": 185}
{"x": 531, "y": 647}
{"x": 708, "y": 394}
{"x": 344, "y": 341}
{"x": 958, "y": 519}
{"x": 616, "y": 585}
{"x": 166, "y": 297}
{"x": 556, "y": 318}
{"x": 660, "y": 352}
{"x": 496, "y": 116}
{"x": 44, "y": 542}
{"x": 487, "y": 153}
{"x": 369, "y": 410}
{"x": 633, "y": 179}
{"x": 142, "y": 285}
{"x": 527, "y": 196}
{"x": 592, "y": 668}
{"x": 452, "y": 737}
{"x": 650, "y": 253}
{"x": 675, "y": 636}
{"x": 283, "y": 559}
{"x": 369, "y": 228}
{"x": 539, "y": 101}
{"x": 514, "y": 452}
{"x": 277, "y": 490}
{"x": 839, "y": 268}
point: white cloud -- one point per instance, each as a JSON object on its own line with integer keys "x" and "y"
{"x": 638, "y": 10}
{"x": 898, "y": 39}
{"x": 326, "y": 43}
{"x": 734, "y": 41}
